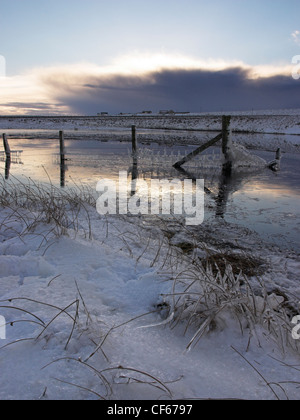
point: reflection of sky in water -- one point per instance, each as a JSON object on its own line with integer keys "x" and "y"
{"x": 266, "y": 202}
{"x": 86, "y": 161}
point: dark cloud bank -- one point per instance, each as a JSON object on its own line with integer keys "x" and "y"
{"x": 181, "y": 90}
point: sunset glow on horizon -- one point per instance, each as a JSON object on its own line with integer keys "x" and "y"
{"x": 72, "y": 58}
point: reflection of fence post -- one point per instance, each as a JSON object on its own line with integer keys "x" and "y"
{"x": 6, "y": 146}
{"x": 7, "y": 167}
{"x": 226, "y": 144}
{"x": 134, "y": 141}
{"x": 62, "y": 175}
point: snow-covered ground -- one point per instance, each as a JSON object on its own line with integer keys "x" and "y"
{"x": 269, "y": 122}
{"x": 84, "y": 301}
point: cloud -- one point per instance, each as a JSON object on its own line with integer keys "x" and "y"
{"x": 296, "y": 37}
{"x": 32, "y": 107}
{"x": 165, "y": 82}
{"x": 180, "y": 89}
{"x": 2, "y": 66}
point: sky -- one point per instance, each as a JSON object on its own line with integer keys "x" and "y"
{"x": 85, "y": 57}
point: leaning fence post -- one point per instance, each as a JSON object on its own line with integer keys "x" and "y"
{"x": 197, "y": 151}
{"x": 226, "y": 144}
{"x": 6, "y": 146}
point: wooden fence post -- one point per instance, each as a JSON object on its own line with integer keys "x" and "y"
{"x": 62, "y": 159}
{"x": 274, "y": 165}
{"x": 6, "y": 146}
{"x": 226, "y": 143}
{"x": 278, "y": 154}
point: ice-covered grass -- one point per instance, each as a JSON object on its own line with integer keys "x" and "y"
{"x": 243, "y": 160}
{"x": 213, "y": 300}
{"x": 107, "y": 307}
{"x": 36, "y": 204}
{"x": 213, "y": 290}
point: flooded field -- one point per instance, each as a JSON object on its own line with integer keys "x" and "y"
{"x": 263, "y": 201}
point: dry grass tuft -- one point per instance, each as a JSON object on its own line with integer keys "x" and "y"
{"x": 35, "y": 204}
